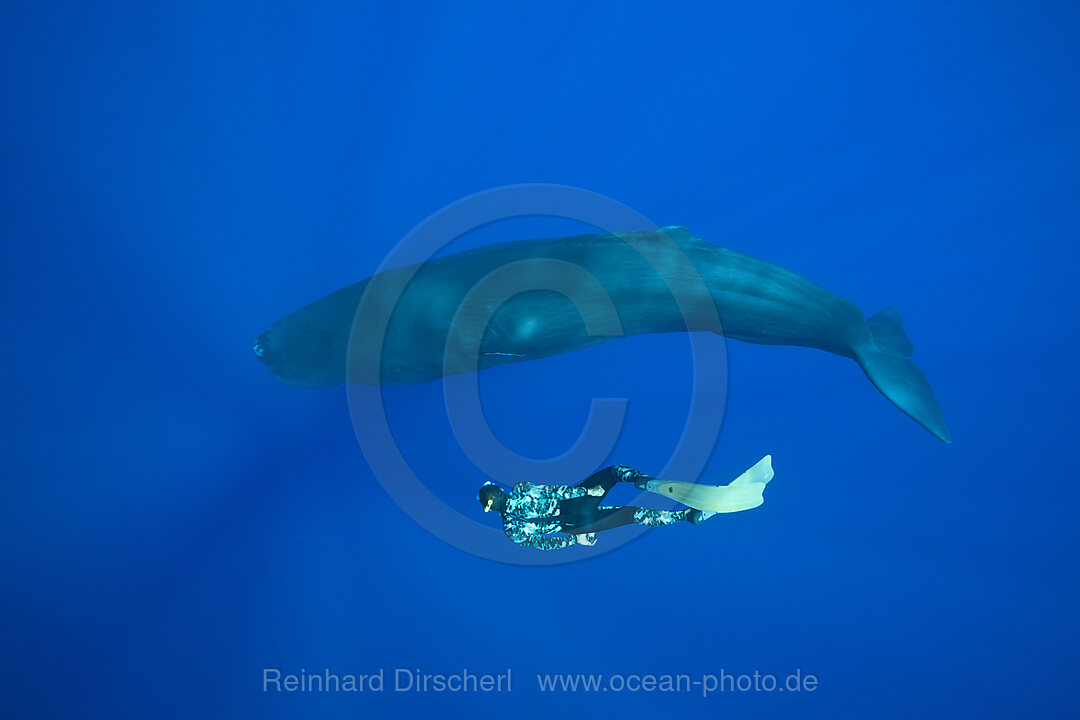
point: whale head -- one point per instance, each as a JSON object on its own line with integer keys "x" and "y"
{"x": 300, "y": 354}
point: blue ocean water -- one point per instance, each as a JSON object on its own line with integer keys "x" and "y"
{"x": 177, "y": 176}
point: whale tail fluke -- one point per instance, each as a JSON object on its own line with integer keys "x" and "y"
{"x": 887, "y": 327}
{"x": 899, "y": 379}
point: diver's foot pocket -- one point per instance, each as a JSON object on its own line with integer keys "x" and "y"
{"x": 630, "y": 475}
{"x": 697, "y": 517}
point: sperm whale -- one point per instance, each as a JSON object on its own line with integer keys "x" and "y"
{"x": 523, "y": 300}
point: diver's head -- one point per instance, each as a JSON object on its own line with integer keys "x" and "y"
{"x": 491, "y": 497}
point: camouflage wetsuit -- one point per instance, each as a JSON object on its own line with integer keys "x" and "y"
{"x": 533, "y": 511}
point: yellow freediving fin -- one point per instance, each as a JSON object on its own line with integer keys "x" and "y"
{"x": 742, "y": 493}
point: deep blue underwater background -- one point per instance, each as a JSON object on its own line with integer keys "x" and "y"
{"x": 178, "y": 176}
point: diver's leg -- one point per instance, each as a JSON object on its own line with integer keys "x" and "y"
{"x": 607, "y": 478}
{"x": 606, "y": 518}
{"x": 585, "y": 506}
{"x": 582, "y": 510}
{"x": 659, "y": 518}
{"x": 612, "y": 475}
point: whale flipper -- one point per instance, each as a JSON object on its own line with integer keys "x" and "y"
{"x": 899, "y": 379}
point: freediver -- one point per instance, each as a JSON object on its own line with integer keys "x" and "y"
{"x": 530, "y": 513}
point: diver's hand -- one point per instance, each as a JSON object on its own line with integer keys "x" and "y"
{"x": 586, "y": 538}
{"x": 597, "y": 491}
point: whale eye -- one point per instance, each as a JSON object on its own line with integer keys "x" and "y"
{"x": 263, "y": 347}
